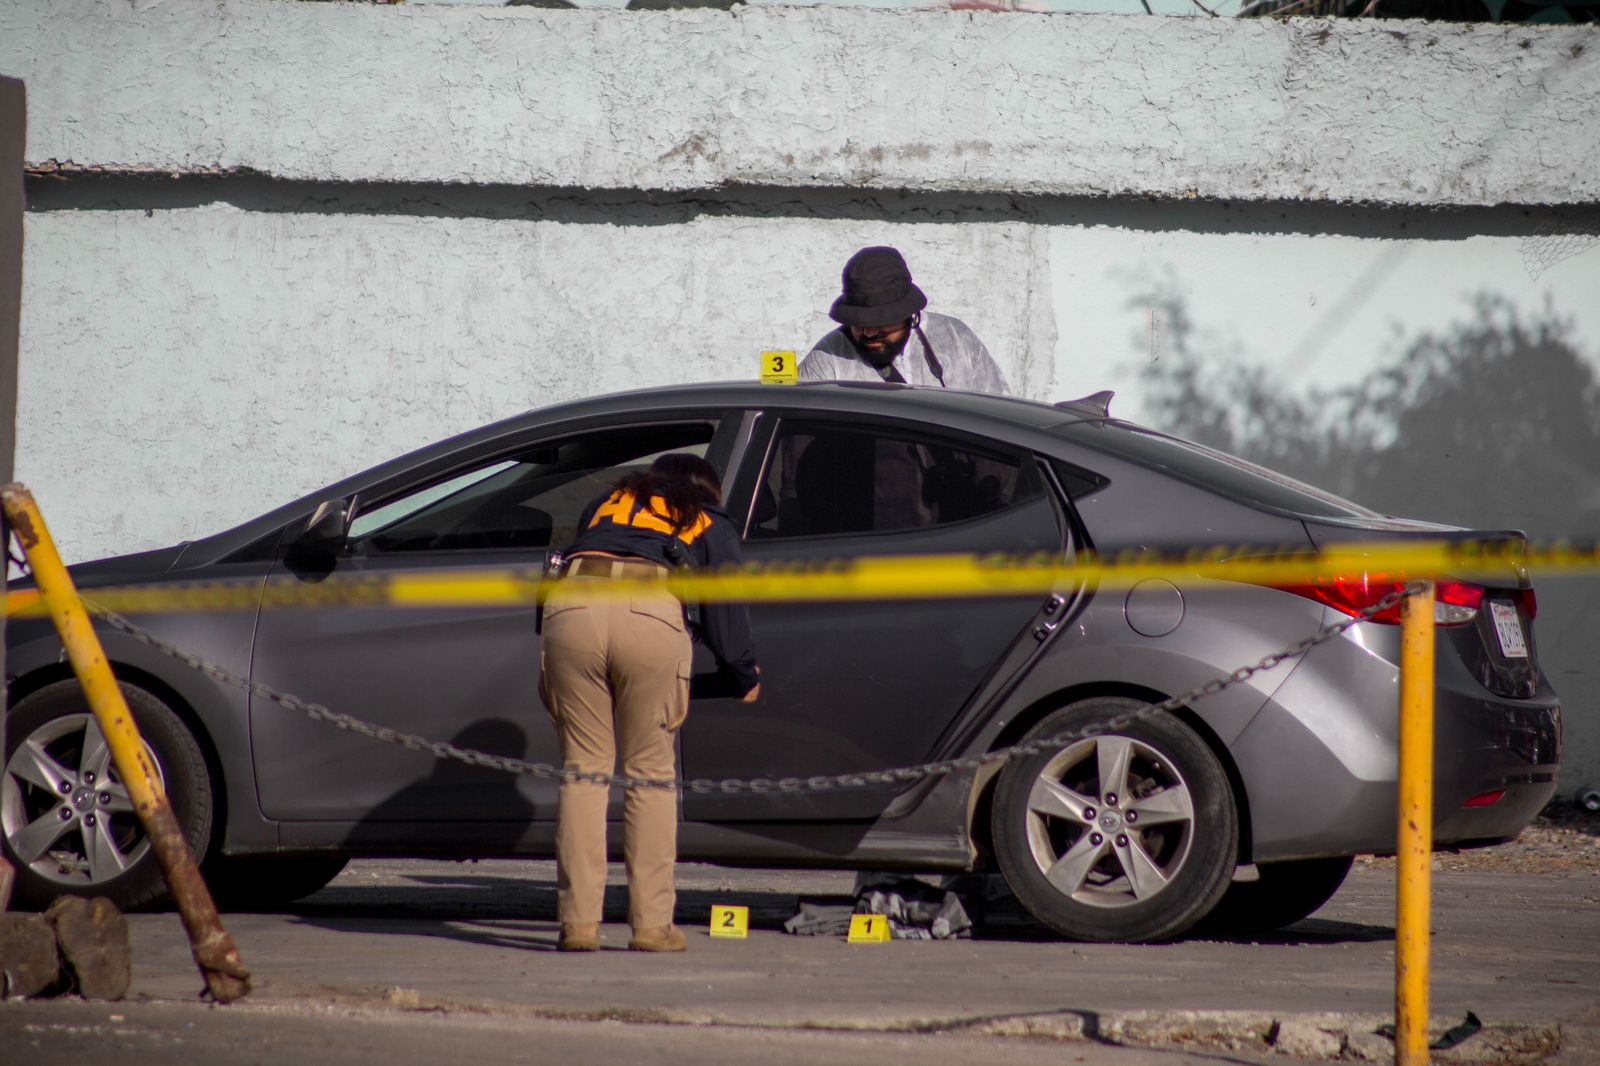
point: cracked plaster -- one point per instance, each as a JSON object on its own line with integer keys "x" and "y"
{"x": 1037, "y": 104}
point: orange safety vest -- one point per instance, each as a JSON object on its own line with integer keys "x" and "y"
{"x": 624, "y": 510}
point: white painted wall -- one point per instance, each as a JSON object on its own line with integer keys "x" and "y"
{"x": 1366, "y": 111}
{"x": 218, "y": 360}
{"x": 226, "y": 360}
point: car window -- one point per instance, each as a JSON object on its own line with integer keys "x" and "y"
{"x": 529, "y": 500}
{"x": 826, "y": 478}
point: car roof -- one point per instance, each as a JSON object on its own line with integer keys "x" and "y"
{"x": 982, "y": 413}
{"x": 851, "y": 396}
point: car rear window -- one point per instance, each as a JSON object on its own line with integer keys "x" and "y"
{"x": 1210, "y": 469}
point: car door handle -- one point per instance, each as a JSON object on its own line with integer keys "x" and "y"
{"x": 1050, "y": 616}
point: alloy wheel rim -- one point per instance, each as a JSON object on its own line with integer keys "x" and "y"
{"x": 65, "y": 814}
{"x": 1110, "y": 822}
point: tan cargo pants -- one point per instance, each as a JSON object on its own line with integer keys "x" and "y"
{"x": 615, "y": 675}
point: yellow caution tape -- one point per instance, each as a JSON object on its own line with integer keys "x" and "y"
{"x": 875, "y": 578}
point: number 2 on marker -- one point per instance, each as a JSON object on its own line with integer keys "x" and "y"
{"x": 730, "y": 921}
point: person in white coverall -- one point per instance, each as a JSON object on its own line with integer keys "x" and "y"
{"x": 884, "y": 335}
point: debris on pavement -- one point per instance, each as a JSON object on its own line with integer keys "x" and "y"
{"x": 915, "y": 910}
{"x": 77, "y": 945}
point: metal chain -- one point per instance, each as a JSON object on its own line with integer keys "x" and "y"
{"x": 898, "y": 776}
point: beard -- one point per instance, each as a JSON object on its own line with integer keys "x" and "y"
{"x": 880, "y": 354}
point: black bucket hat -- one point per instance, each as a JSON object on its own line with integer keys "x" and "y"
{"x": 877, "y": 290}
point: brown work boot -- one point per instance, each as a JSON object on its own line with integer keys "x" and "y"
{"x": 579, "y": 936}
{"x": 658, "y": 938}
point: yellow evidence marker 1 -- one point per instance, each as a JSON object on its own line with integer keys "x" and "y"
{"x": 730, "y": 921}
{"x": 779, "y": 368}
{"x": 868, "y": 929}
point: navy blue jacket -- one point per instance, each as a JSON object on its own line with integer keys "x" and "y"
{"x": 618, "y": 524}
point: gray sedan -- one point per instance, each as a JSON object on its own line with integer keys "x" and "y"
{"x": 1243, "y": 807}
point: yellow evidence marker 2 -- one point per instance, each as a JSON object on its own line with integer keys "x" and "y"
{"x": 779, "y": 368}
{"x": 730, "y": 921}
{"x": 868, "y": 929}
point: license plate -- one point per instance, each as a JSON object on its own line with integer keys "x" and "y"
{"x": 1509, "y": 629}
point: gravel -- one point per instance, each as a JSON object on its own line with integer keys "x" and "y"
{"x": 1564, "y": 838}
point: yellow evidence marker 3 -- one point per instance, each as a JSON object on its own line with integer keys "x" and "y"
{"x": 779, "y": 368}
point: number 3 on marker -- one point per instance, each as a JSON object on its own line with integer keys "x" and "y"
{"x": 779, "y": 368}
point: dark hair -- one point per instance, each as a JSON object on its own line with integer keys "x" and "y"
{"x": 687, "y": 483}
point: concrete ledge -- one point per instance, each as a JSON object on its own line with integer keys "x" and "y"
{"x": 1399, "y": 113}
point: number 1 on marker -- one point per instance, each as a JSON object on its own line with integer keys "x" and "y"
{"x": 868, "y": 929}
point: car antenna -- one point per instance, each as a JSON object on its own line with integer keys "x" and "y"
{"x": 1100, "y": 402}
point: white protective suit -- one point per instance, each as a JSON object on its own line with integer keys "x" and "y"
{"x": 967, "y": 363}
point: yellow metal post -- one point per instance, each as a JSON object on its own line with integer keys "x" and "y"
{"x": 1414, "y": 853}
{"x": 214, "y": 952}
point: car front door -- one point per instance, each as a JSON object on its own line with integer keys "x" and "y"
{"x": 464, "y": 675}
{"x": 851, "y": 687}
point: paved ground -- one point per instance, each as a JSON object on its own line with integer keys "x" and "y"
{"x": 399, "y": 961}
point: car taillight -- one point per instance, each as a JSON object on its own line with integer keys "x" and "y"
{"x": 1455, "y": 603}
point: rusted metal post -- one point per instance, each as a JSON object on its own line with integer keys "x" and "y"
{"x": 214, "y": 952}
{"x": 1414, "y": 849}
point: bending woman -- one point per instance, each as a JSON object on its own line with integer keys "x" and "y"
{"x": 615, "y": 675}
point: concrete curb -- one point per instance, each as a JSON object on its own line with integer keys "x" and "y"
{"x": 1319, "y": 1036}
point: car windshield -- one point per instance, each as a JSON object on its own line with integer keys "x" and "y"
{"x": 1214, "y": 470}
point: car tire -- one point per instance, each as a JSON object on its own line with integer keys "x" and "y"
{"x": 1138, "y": 857}
{"x": 263, "y": 882}
{"x": 1285, "y": 893}
{"x": 96, "y": 846}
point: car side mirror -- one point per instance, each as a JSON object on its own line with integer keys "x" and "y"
{"x": 315, "y": 549}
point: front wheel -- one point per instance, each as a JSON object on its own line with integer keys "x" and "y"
{"x": 66, "y": 819}
{"x": 1128, "y": 834}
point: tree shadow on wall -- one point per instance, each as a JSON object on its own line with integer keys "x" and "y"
{"x": 1493, "y": 422}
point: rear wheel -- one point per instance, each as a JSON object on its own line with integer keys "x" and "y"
{"x": 1125, "y": 835}
{"x": 66, "y": 819}
{"x": 1285, "y": 893}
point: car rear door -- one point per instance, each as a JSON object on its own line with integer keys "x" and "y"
{"x": 850, "y": 687}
